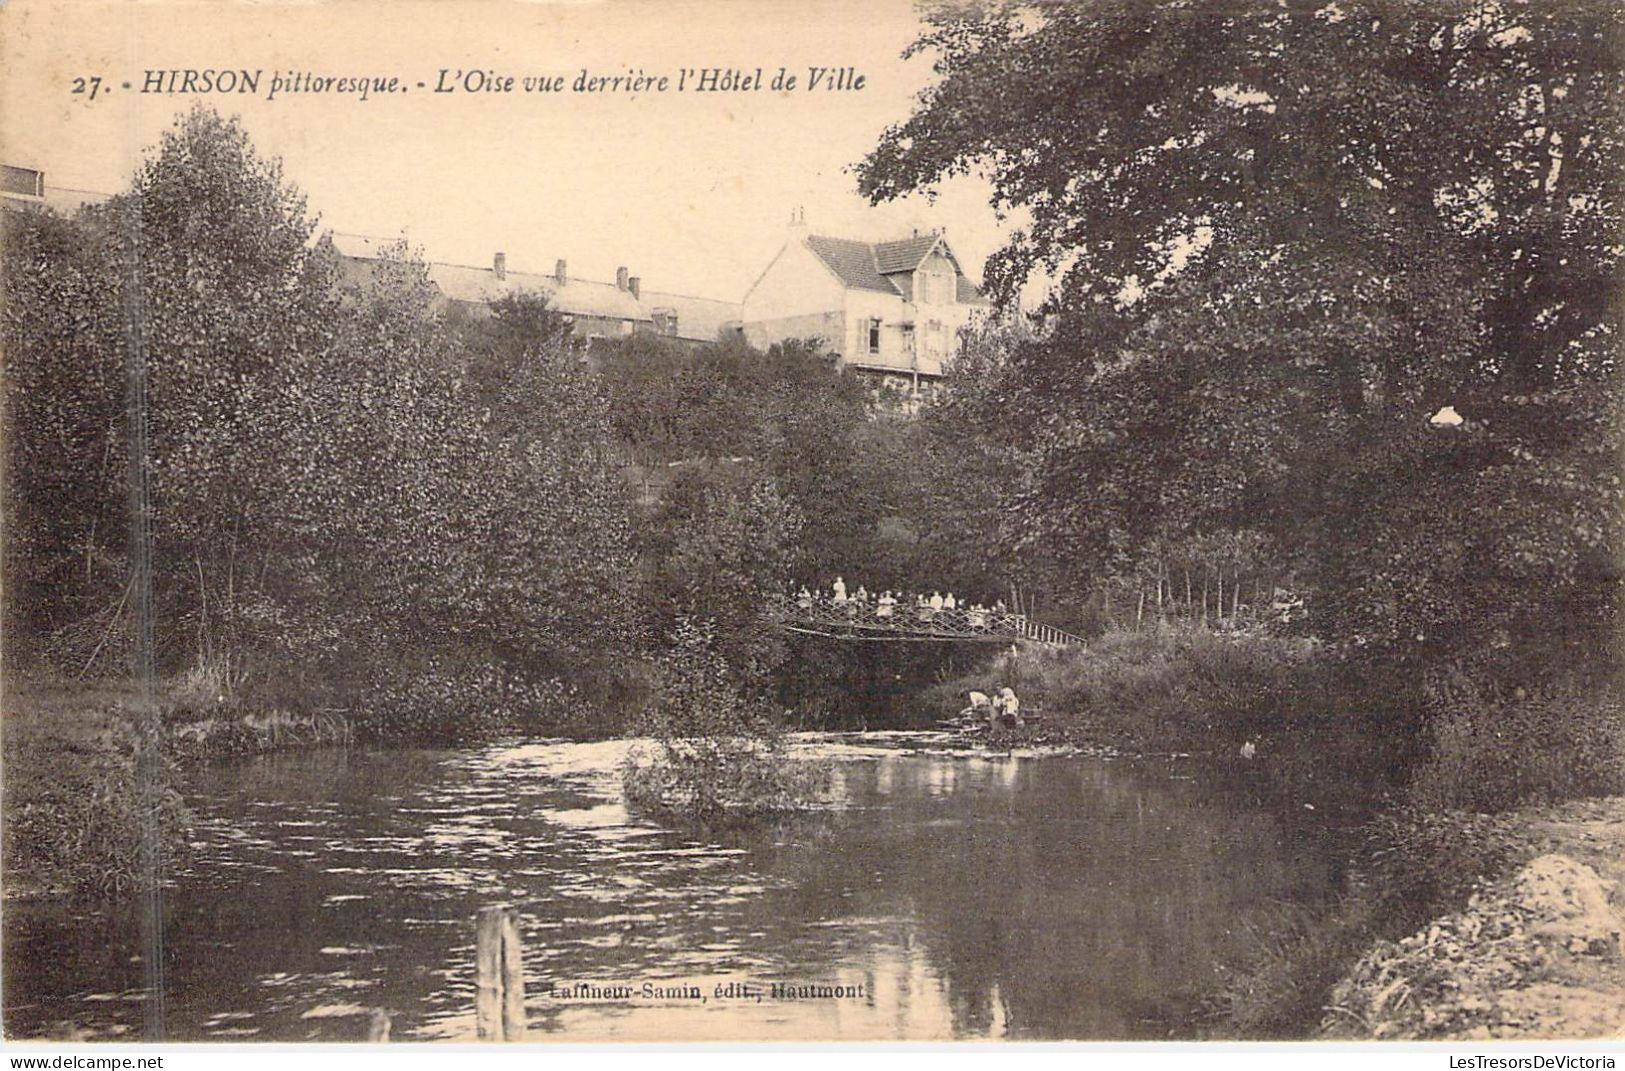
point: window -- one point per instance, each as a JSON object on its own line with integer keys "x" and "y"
{"x": 874, "y": 335}
{"x": 935, "y": 288}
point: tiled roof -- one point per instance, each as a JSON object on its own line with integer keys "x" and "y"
{"x": 578, "y": 297}
{"x": 697, "y": 318}
{"x": 852, "y": 262}
{"x": 871, "y": 266}
{"x": 967, "y": 294}
{"x": 904, "y": 255}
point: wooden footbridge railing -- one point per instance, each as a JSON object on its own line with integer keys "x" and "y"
{"x": 869, "y": 620}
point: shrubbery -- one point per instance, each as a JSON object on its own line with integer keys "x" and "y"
{"x": 78, "y": 824}
{"x": 1162, "y": 686}
{"x": 1411, "y": 865}
{"x": 448, "y": 703}
{"x": 1492, "y": 753}
{"x": 718, "y": 756}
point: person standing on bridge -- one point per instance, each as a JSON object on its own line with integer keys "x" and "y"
{"x": 948, "y": 602}
{"x": 936, "y": 601}
{"x": 839, "y": 588}
{"x": 886, "y": 605}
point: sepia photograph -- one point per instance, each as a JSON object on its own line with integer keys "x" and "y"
{"x": 707, "y": 521}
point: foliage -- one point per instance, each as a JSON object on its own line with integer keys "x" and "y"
{"x": 720, "y": 542}
{"x": 718, "y": 756}
{"x": 64, "y": 403}
{"x": 81, "y": 824}
{"x": 1491, "y": 753}
{"x": 340, "y": 477}
{"x": 1411, "y": 866}
{"x": 1174, "y": 686}
{"x": 447, "y": 702}
{"x": 1281, "y": 238}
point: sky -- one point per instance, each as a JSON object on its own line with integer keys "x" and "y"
{"x": 692, "y": 192}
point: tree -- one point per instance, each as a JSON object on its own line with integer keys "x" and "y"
{"x": 720, "y": 545}
{"x": 1281, "y": 237}
{"x": 64, "y": 420}
{"x": 227, "y": 300}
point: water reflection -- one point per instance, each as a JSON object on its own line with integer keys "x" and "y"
{"x": 959, "y": 896}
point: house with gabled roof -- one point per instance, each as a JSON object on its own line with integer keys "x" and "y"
{"x": 894, "y": 309}
{"x": 597, "y": 309}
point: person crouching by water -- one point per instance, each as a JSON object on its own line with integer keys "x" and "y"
{"x": 1006, "y": 710}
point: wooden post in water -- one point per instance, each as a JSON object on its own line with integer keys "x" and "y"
{"x": 499, "y": 975}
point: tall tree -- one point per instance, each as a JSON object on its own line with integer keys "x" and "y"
{"x": 1281, "y": 237}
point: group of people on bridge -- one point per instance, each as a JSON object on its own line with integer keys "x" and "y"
{"x": 892, "y": 607}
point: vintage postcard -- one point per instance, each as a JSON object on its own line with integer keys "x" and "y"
{"x": 634, "y": 521}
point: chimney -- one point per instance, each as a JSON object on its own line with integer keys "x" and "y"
{"x": 634, "y": 284}
{"x": 798, "y": 222}
{"x": 620, "y": 278}
{"x": 499, "y": 264}
{"x": 560, "y": 276}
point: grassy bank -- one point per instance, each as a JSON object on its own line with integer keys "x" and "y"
{"x": 92, "y": 799}
{"x": 1446, "y": 798}
{"x": 1489, "y": 786}
{"x": 1435, "y": 937}
{"x": 1167, "y": 688}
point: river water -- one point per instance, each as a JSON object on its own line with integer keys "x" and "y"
{"x": 947, "y": 895}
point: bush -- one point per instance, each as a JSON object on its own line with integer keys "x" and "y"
{"x": 1290, "y": 958}
{"x": 79, "y": 824}
{"x": 451, "y": 704}
{"x": 1492, "y": 753}
{"x": 722, "y": 781}
{"x": 719, "y": 756}
{"x": 1411, "y": 866}
{"x": 1166, "y": 686}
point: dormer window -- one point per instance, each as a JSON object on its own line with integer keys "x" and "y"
{"x": 935, "y": 288}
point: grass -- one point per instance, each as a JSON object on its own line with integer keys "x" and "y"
{"x": 1168, "y": 687}
{"x": 91, "y": 798}
{"x": 92, "y": 791}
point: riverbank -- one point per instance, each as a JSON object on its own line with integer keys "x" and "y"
{"x": 82, "y": 781}
{"x": 1170, "y": 687}
{"x": 1535, "y": 953}
{"x": 1452, "y": 926}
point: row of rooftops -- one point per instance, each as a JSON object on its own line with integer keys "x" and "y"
{"x": 882, "y": 267}
{"x": 625, "y": 300}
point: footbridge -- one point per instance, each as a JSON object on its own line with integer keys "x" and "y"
{"x": 852, "y": 619}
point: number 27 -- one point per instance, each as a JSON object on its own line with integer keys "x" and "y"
{"x": 91, "y": 85}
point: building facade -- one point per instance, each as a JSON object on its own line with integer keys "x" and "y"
{"x": 25, "y": 187}
{"x": 597, "y": 310}
{"x": 890, "y": 309}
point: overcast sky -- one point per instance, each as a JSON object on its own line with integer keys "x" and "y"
{"x": 690, "y": 191}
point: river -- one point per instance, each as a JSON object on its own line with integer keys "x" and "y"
{"x": 948, "y": 895}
